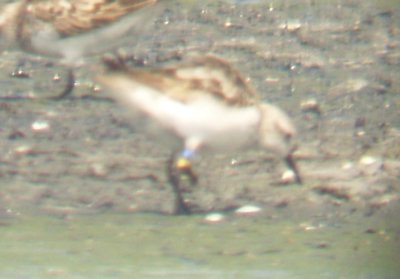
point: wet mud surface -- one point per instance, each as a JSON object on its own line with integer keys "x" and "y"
{"x": 334, "y": 70}
{"x": 335, "y": 73}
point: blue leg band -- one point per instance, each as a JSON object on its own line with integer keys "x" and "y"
{"x": 187, "y": 153}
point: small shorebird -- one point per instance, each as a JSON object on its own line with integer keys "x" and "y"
{"x": 207, "y": 104}
{"x": 70, "y": 30}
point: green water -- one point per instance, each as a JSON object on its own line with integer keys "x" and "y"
{"x": 154, "y": 246}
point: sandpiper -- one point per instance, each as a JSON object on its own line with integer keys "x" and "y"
{"x": 207, "y": 104}
{"x": 70, "y": 30}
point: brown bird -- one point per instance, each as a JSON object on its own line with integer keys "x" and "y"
{"x": 71, "y": 30}
{"x": 207, "y": 105}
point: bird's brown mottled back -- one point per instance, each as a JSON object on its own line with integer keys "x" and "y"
{"x": 76, "y": 16}
{"x": 199, "y": 76}
{"x": 218, "y": 77}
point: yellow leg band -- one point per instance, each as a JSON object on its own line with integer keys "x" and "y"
{"x": 183, "y": 163}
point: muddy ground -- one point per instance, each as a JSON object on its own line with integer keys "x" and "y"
{"x": 333, "y": 67}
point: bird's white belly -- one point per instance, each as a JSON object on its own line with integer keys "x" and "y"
{"x": 211, "y": 122}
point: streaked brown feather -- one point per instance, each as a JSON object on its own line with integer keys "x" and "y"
{"x": 203, "y": 75}
{"x": 76, "y": 16}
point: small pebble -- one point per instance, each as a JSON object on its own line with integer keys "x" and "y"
{"x": 360, "y": 133}
{"x": 40, "y": 126}
{"x": 310, "y": 227}
{"x": 56, "y": 77}
{"x": 214, "y": 217}
{"x": 291, "y": 25}
{"x": 23, "y": 149}
{"x": 272, "y": 79}
{"x": 95, "y": 88}
{"x": 99, "y": 170}
{"x": 248, "y": 209}
{"x": 288, "y": 176}
{"x": 347, "y": 165}
{"x": 370, "y": 165}
{"x": 367, "y": 160}
{"x": 310, "y": 105}
{"x": 228, "y": 24}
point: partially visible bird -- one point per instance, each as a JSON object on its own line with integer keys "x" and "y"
{"x": 72, "y": 30}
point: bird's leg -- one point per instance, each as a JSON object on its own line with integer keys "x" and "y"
{"x": 293, "y": 166}
{"x": 179, "y": 168}
{"x": 184, "y": 166}
{"x": 69, "y": 87}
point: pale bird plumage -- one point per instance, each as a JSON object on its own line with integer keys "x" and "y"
{"x": 207, "y": 104}
{"x": 206, "y": 101}
{"x": 68, "y": 29}
{"x": 73, "y": 30}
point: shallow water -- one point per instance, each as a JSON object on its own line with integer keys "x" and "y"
{"x": 154, "y": 246}
{"x": 72, "y": 196}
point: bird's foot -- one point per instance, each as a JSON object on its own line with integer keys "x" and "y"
{"x": 180, "y": 173}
